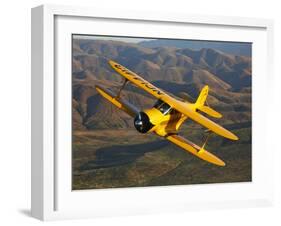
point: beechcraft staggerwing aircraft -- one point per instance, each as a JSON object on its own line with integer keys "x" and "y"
{"x": 168, "y": 114}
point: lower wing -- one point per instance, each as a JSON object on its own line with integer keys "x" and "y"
{"x": 195, "y": 149}
{"x": 117, "y": 101}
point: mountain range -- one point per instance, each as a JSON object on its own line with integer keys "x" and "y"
{"x": 172, "y": 69}
{"x": 236, "y": 48}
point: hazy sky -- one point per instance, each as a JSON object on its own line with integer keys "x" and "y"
{"x": 236, "y": 48}
{"x": 132, "y": 40}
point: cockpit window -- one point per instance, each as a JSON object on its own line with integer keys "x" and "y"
{"x": 158, "y": 103}
{"x": 163, "y": 107}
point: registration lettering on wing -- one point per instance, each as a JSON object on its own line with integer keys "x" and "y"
{"x": 133, "y": 77}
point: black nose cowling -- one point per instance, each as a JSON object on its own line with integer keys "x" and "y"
{"x": 142, "y": 123}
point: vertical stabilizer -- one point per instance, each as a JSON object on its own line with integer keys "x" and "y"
{"x": 200, "y": 104}
{"x": 202, "y": 97}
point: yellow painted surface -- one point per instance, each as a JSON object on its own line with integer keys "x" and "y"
{"x": 164, "y": 124}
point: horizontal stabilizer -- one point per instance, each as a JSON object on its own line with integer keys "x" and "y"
{"x": 195, "y": 149}
{"x": 209, "y": 111}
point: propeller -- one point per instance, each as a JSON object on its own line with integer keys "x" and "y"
{"x": 142, "y": 123}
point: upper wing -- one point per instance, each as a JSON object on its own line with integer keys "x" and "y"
{"x": 137, "y": 80}
{"x": 174, "y": 103}
{"x": 195, "y": 150}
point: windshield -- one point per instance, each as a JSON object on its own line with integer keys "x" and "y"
{"x": 163, "y": 107}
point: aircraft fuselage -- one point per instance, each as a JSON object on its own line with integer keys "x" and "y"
{"x": 160, "y": 121}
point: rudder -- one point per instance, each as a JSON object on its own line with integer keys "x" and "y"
{"x": 200, "y": 104}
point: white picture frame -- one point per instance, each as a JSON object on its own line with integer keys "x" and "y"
{"x": 51, "y": 197}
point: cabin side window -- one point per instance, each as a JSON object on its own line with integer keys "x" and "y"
{"x": 163, "y": 107}
{"x": 158, "y": 104}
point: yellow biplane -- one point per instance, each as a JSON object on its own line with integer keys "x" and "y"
{"x": 167, "y": 115}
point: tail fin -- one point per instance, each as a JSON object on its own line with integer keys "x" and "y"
{"x": 200, "y": 104}
{"x": 202, "y": 97}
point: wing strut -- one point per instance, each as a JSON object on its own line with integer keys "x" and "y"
{"x": 122, "y": 87}
{"x": 205, "y": 142}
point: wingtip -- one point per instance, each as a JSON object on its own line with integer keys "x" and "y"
{"x": 209, "y": 157}
{"x": 97, "y": 86}
{"x": 234, "y": 137}
{"x": 230, "y": 136}
{"x": 217, "y": 161}
{"x": 219, "y": 115}
{"x": 111, "y": 63}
